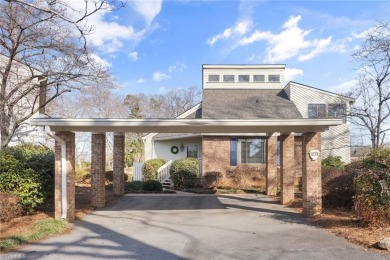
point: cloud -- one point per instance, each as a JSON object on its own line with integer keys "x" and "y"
{"x": 100, "y": 60}
{"x": 133, "y": 55}
{"x": 291, "y": 74}
{"x": 345, "y": 86}
{"x": 159, "y": 76}
{"x": 290, "y": 42}
{"x": 179, "y": 66}
{"x": 140, "y": 81}
{"x": 240, "y": 28}
{"x": 148, "y": 9}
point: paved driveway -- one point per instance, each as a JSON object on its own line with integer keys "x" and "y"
{"x": 195, "y": 227}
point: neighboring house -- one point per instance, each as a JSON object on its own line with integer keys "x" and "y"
{"x": 252, "y": 92}
{"x": 25, "y": 100}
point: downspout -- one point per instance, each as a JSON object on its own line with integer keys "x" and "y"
{"x": 64, "y": 199}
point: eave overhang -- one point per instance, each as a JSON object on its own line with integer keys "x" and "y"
{"x": 187, "y": 125}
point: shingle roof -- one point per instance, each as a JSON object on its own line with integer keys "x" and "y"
{"x": 247, "y": 104}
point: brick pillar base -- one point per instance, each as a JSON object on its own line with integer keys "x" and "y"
{"x": 119, "y": 163}
{"x": 271, "y": 165}
{"x": 287, "y": 168}
{"x": 98, "y": 167}
{"x": 69, "y": 139}
{"x": 311, "y": 175}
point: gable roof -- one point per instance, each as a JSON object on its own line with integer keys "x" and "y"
{"x": 321, "y": 90}
{"x": 247, "y": 104}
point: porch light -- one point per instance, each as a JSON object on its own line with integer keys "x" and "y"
{"x": 182, "y": 147}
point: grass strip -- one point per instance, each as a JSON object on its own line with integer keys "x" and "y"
{"x": 41, "y": 229}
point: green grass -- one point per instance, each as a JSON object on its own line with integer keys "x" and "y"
{"x": 41, "y": 229}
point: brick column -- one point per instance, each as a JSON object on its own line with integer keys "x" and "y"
{"x": 311, "y": 175}
{"x": 271, "y": 165}
{"x": 287, "y": 168}
{"x": 119, "y": 163}
{"x": 69, "y": 139}
{"x": 98, "y": 168}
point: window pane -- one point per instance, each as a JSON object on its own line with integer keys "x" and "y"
{"x": 228, "y": 78}
{"x": 192, "y": 151}
{"x": 214, "y": 78}
{"x": 252, "y": 151}
{"x": 273, "y": 78}
{"x": 337, "y": 111}
{"x": 316, "y": 111}
{"x": 258, "y": 78}
{"x": 243, "y": 78}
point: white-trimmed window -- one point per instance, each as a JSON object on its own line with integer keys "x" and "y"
{"x": 273, "y": 78}
{"x": 192, "y": 151}
{"x": 258, "y": 78}
{"x": 317, "y": 111}
{"x": 228, "y": 78}
{"x": 243, "y": 78}
{"x": 213, "y": 78}
{"x": 337, "y": 111}
{"x": 250, "y": 151}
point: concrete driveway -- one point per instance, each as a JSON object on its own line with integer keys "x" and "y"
{"x": 186, "y": 226}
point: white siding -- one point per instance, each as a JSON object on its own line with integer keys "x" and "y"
{"x": 162, "y": 148}
{"x": 335, "y": 141}
{"x": 244, "y": 70}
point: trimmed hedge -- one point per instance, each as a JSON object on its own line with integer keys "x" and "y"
{"x": 332, "y": 162}
{"x": 184, "y": 172}
{"x": 152, "y": 185}
{"x": 28, "y": 172}
{"x": 109, "y": 175}
{"x": 150, "y": 167}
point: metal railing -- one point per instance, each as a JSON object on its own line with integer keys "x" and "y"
{"x": 163, "y": 171}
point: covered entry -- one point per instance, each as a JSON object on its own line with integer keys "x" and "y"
{"x": 65, "y": 153}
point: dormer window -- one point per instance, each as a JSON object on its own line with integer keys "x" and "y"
{"x": 213, "y": 78}
{"x": 258, "y": 78}
{"x": 228, "y": 78}
{"x": 243, "y": 78}
{"x": 273, "y": 78}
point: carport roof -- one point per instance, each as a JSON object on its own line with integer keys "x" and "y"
{"x": 187, "y": 125}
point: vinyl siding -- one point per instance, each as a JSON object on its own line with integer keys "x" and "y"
{"x": 162, "y": 148}
{"x": 335, "y": 141}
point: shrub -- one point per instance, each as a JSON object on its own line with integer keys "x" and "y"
{"x": 109, "y": 175}
{"x": 211, "y": 179}
{"x": 337, "y": 187}
{"x": 152, "y": 185}
{"x": 133, "y": 186}
{"x": 245, "y": 177}
{"x": 82, "y": 175}
{"x": 150, "y": 167}
{"x": 184, "y": 172}
{"x": 377, "y": 158}
{"x": 372, "y": 197}
{"x": 332, "y": 162}
{"x": 27, "y": 171}
{"x": 9, "y": 207}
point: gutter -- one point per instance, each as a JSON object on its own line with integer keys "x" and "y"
{"x": 64, "y": 198}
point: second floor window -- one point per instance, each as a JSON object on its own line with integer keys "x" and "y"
{"x": 228, "y": 78}
{"x": 274, "y": 78}
{"x": 317, "y": 111}
{"x": 214, "y": 78}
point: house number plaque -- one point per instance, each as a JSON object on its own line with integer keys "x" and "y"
{"x": 313, "y": 154}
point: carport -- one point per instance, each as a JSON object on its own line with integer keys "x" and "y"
{"x": 62, "y": 130}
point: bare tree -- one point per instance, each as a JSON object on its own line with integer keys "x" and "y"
{"x": 372, "y": 108}
{"x": 43, "y": 54}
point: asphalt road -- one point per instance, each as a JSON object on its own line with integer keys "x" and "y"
{"x": 184, "y": 226}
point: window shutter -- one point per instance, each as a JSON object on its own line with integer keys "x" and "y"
{"x": 233, "y": 152}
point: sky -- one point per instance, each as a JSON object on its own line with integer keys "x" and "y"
{"x": 157, "y": 46}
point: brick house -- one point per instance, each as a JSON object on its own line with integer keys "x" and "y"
{"x": 252, "y": 92}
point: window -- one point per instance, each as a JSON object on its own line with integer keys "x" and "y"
{"x": 192, "y": 151}
{"x": 258, "y": 78}
{"x": 251, "y": 151}
{"x": 214, "y": 78}
{"x": 337, "y": 111}
{"x": 228, "y": 78}
{"x": 317, "y": 111}
{"x": 243, "y": 78}
{"x": 274, "y": 78}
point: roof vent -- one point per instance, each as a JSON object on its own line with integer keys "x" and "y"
{"x": 257, "y": 101}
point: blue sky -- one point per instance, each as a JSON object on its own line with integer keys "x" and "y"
{"x": 155, "y": 46}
